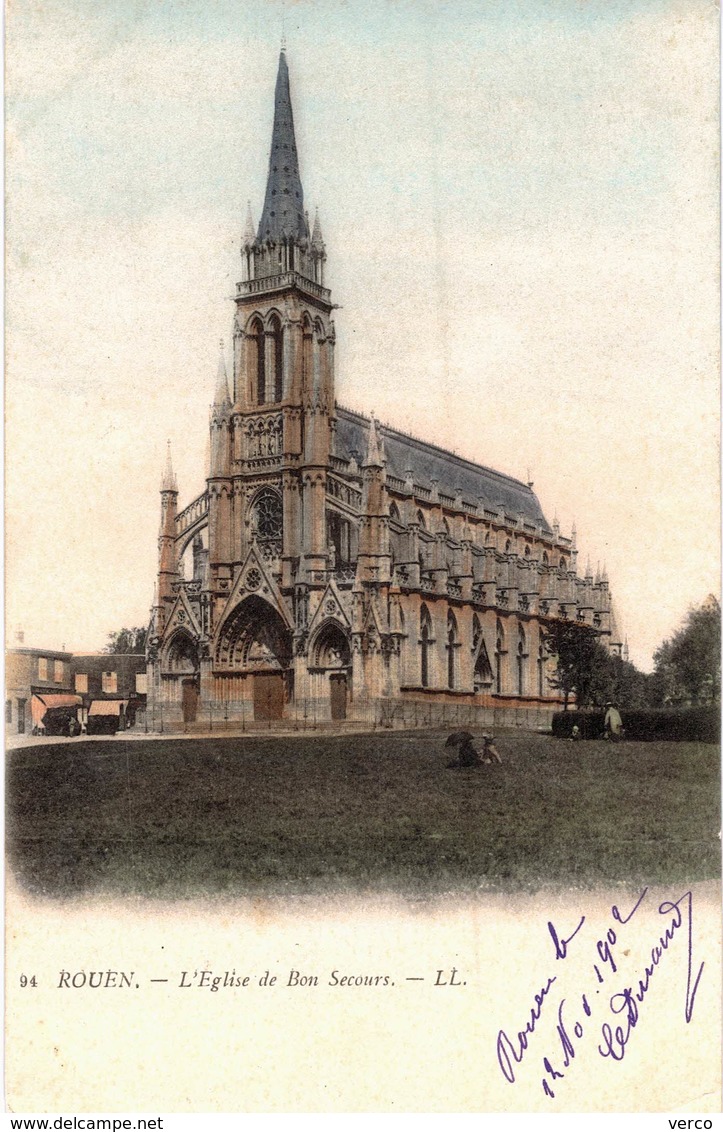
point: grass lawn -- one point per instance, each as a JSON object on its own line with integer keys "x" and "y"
{"x": 181, "y": 818}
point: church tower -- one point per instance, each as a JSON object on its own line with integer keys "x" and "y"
{"x": 283, "y": 376}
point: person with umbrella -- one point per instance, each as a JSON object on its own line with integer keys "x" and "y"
{"x": 467, "y": 753}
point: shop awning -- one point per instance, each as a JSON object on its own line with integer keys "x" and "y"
{"x": 39, "y": 705}
{"x": 107, "y": 707}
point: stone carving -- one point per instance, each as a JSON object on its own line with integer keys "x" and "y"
{"x": 253, "y": 578}
{"x": 263, "y": 435}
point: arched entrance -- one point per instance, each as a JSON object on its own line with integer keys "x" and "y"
{"x": 331, "y": 653}
{"x": 255, "y": 640}
{"x": 183, "y": 663}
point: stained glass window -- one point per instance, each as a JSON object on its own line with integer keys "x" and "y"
{"x": 268, "y": 513}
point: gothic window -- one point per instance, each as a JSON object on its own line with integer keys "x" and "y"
{"x": 483, "y": 678}
{"x": 420, "y": 520}
{"x": 527, "y": 552}
{"x": 258, "y": 339}
{"x": 499, "y": 653}
{"x": 445, "y": 527}
{"x": 394, "y": 513}
{"x": 476, "y": 632}
{"x": 268, "y": 515}
{"x": 307, "y": 354}
{"x": 452, "y": 642}
{"x": 541, "y": 661}
{"x": 545, "y": 559}
{"x": 563, "y": 564}
{"x": 508, "y": 546}
{"x": 521, "y": 658}
{"x": 425, "y": 634}
{"x": 277, "y": 338}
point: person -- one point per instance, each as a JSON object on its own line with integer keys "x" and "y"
{"x": 613, "y": 723}
{"x": 490, "y": 753}
{"x": 575, "y": 732}
{"x": 467, "y": 754}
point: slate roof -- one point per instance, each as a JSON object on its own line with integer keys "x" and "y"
{"x": 428, "y": 462}
{"x": 283, "y": 214}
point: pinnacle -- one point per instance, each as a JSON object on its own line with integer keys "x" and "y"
{"x": 317, "y": 239}
{"x": 222, "y": 397}
{"x": 169, "y": 482}
{"x": 249, "y": 230}
{"x": 374, "y": 455}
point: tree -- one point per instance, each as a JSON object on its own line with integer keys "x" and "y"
{"x": 127, "y": 640}
{"x": 581, "y": 662}
{"x": 687, "y": 666}
{"x": 625, "y": 685}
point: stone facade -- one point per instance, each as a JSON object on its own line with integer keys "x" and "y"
{"x": 333, "y": 566}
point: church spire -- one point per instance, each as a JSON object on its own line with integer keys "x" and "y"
{"x": 283, "y": 215}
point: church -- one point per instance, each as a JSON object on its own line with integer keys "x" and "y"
{"x": 335, "y": 568}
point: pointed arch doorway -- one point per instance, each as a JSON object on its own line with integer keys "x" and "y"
{"x": 331, "y": 652}
{"x": 256, "y": 642}
{"x": 182, "y": 662}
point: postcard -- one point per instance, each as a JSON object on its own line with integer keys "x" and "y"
{"x": 362, "y": 524}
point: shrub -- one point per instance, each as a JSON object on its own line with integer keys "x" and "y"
{"x": 695, "y": 724}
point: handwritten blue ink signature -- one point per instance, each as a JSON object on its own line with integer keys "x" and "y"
{"x": 572, "y": 1025}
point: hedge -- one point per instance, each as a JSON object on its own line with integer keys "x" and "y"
{"x": 694, "y": 724}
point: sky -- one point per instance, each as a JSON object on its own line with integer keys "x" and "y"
{"x": 519, "y": 203}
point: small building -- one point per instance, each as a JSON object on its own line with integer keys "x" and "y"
{"x": 117, "y": 680}
{"x": 31, "y": 672}
{"x": 39, "y": 681}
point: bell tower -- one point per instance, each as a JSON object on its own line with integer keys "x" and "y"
{"x": 283, "y": 379}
